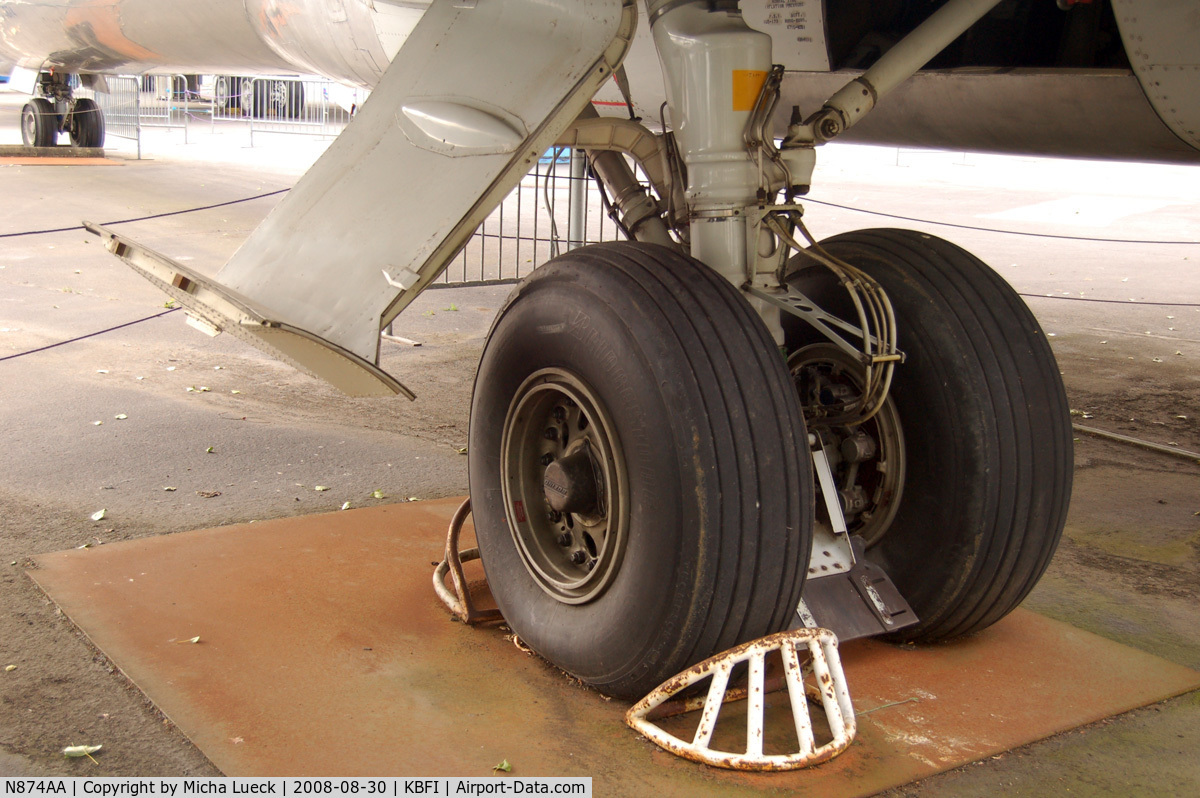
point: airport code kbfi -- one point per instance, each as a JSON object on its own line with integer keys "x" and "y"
{"x": 134, "y": 787}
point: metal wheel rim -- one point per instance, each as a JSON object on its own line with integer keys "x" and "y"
{"x": 572, "y": 556}
{"x": 886, "y": 476}
{"x": 29, "y": 125}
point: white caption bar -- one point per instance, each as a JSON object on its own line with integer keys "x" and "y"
{"x": 316, "y": 788}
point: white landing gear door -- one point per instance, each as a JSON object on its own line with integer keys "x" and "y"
{"x": 474, "y": 97}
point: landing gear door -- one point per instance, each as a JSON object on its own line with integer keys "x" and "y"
{"x": 476, "y": 95}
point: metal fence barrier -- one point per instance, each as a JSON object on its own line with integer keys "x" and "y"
{"x": 556, "y": 208}
{"x": 120, "y": 106}
{"x": 165, "y": 101}
{"x": 136, "y": 102}
{"x": 280, "y": 105}
{"x": 304, "y": 107}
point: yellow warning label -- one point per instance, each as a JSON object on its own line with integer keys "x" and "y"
{"x": 747, "y": 84}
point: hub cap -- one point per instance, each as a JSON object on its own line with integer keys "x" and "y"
{"x": 565, "y": 486}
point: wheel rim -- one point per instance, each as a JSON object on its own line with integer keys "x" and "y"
{"x": 565, "y": 486}
{"x": 29, "y": 126}
{"x": 279, "y": 98}
{"x": 869, "y": 458}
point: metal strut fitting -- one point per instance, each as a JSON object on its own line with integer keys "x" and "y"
{"x": 714, "y": 66}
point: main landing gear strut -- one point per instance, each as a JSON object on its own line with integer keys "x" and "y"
{"x": 58, "y": 111}
{"x": 642, "y": 460}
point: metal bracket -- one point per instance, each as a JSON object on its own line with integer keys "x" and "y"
{"x": 845, "y": 592}
{"x": 821, "y": 679}
{"x": 459, "y": 602}
{"x": 797, "y": 304}
{"x": 862, "y": 602}
{"x": 832, "y": 554}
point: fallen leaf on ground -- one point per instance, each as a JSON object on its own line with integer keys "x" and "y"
{"x": 9, "y": 668}
{"x": 170, "y": 488}
{"x": 99, "y": 515}
{"x": 120, "y": 416}
{"x": 321, "y": 487}
{"x": 345, "y": 505}
{"x": 507, "y": 768}
{"x": 208, "y": 494}
{"x": 82, "y": 750}
{"x": 195, "y": 639}
{"x": 378, "y": 494}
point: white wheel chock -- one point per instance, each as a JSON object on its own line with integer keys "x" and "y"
{"x": 821, "y": 679}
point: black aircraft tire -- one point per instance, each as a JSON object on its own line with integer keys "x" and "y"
{"x": 39, "y": 123}
{"x": 985, "y": 424}
{"x": 87, "y": 124}
{"x": 708, "y": 491}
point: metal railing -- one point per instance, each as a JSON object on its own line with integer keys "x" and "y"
{"x": 281, "y": 105}
{"x": 135, "y": 102}
{"x": 556, "y": 208}
{"x": 120, "y": 104}
{"x": 165, "y": 101}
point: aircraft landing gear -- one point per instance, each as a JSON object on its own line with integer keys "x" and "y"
{"x": 58, "y": 111}
{"x": 984, "y": 455}
{"x": 639, "y": 467}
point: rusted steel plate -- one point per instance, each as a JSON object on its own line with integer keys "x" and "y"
{"x": 323, "y": 651}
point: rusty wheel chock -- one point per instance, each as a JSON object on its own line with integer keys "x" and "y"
{"x": 459, "y": 602}
{"x": 820, "y": 679}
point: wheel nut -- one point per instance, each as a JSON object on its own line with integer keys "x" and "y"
{"x": 551, "y": 434}
{"x": 547, "y": 459}
{"x": 564, "y": 539}
{"x": 560, "y": 414}
{"x": 579, "y": 556}
{"x": 555, "y": 516}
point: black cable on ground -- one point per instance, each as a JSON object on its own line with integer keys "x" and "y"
{"x": 148, "y": 218}
{"x": 89, "y": 335}
{"x": 997, "y": 230}
{"x": 1115, "y": 301}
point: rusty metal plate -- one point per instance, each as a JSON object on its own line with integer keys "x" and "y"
{"x": 323, "y": 651}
